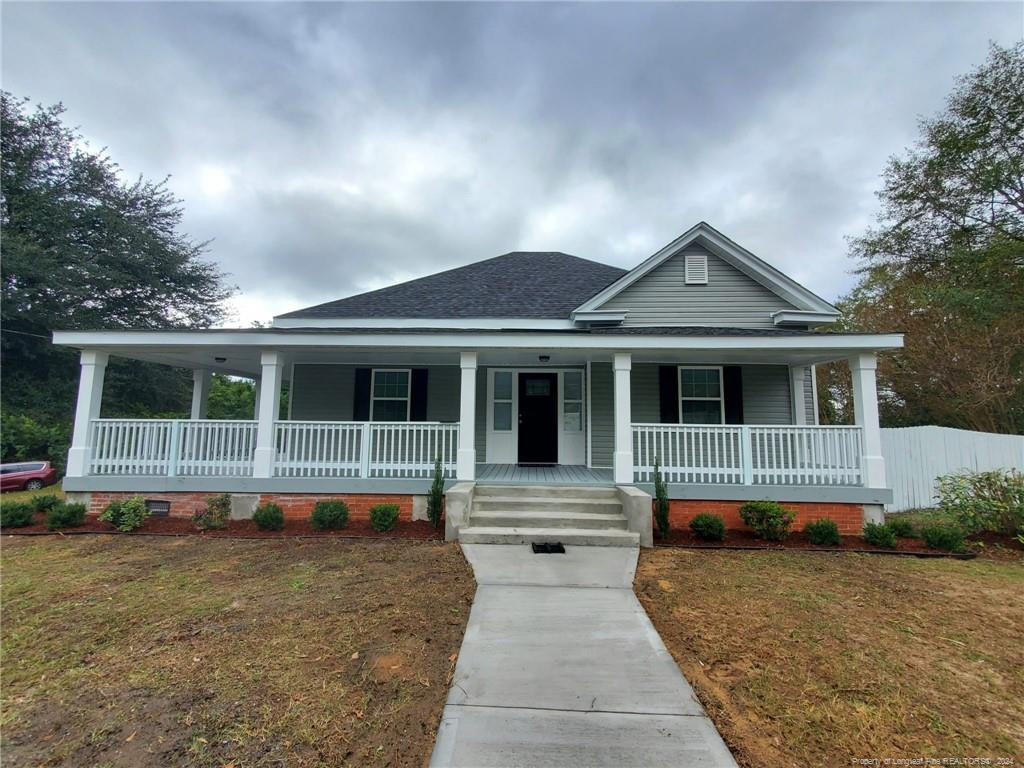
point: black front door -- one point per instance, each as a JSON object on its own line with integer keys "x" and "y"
{"x": 538, "y": 418}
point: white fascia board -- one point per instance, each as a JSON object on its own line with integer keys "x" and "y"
{"x": 496, "y": 323}
{"x": 785, "y": 317}
{"x": 600, "y": 316}
{"x": 732, "y": 253}
{"x": 269, "y": 339}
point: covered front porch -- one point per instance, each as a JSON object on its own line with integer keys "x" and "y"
{"x": 367, "y": 417}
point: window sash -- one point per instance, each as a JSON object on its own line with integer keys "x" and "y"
{"x": 572, "y": 407}
{"x": 375, "y": 398}
{"x": 720, "y": 399}
{"x": 502, "y": 404}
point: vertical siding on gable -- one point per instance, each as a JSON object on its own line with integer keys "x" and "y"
{"x": 730, "y": 298}
{"x": 324, "y": 392}
{"x": 602, "y": 418}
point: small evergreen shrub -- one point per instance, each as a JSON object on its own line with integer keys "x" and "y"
{"x": 879, "y": 535}
{"x": 216, "y": 514}
{"x": 44, "y": 503}
{"x": 708, "y": 527}
{"x": 943, "y": 536}
{"x": 330, "y": 515}
{"x": 984, "y": 501}
{"x": 126, "y": 514}
{"x": 661, "y": 506}
{"x": 16, "y": 514}
{"x": 383, "y": 517}
{"x": 65, "y": 516}
{"x": 768, "y": 519}
{"x": 269, "y": 517}
{"x": 435, "y": 496}
{"x": 823, "y": 533}
{"x": 901, "y": 527}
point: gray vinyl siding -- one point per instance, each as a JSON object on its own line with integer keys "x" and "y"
{"x": 766, "y": 394}
{"x": 730, "y": 298}
{"x": 480, "y": 434}
{"x": 645, "y": 394}
{"x": 809, "y": 395}
{"x": 602, "y": 414}
{"x": 325, "y": 392}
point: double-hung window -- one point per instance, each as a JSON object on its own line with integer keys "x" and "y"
{"x": 501, "y": 420}
{"x": 389, "y": 395}
{"x": 700, "y": 395}
{"x": 572, "y": 401}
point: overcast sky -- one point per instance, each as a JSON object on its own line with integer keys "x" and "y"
{"x": 328, "y": 149}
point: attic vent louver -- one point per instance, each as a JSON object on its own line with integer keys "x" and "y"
{"x": 696, "y": 268}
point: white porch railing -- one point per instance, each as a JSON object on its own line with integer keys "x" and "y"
{"x": 749, "y": 455}
{"x": 172, "y": 447}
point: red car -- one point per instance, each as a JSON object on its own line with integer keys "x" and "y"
{"x": 26, "y": 475}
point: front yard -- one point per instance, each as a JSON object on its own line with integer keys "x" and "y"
{"x": 822, "y": 659}
{"x": 133, "y": 651}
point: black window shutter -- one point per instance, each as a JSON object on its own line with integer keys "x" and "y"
{"x": 668, "y": 393}
{"x": 361, "y": 396}
{"x": 418, "y": 395}
{"x": 732, "y": 390}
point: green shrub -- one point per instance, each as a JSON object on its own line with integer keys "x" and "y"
{"x": 902, "y": 527}
{"x": 660, "y": 501}
{"x": 708, "y": 527}
{"x": 126, "y": 514}
{"x": 823, "y": 533}
{"x": 216, "y": 514}
{"x": 435, "y": 496}
{"x": 383, "y": 516}
{"x": 330, "y": 515}
{"x": 984, "y": 501}
{"x": 943, "y": 536}
{"x": 44, "y": 503}
{"x": 65, "y": 516}
{"x": 769, "y": 519}
{"x": 879, "y": 535}
{"x": 269, "y": 517}
{"x": 16, "y": 514}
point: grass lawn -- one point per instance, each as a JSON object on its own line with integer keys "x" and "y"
{"x": 146, "y": 651}
{"x": 817, "y": 659}
{"x": 22, "y": 496}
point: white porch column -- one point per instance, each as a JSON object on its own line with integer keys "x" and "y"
{"x": 90, "y": 393}
{"x": 263, "y": 457}
{"x": 622, "y": 463}
{"x": 796, "y": 390}
{"x": 256, "y": 406}
{"x": 465, "y": 465}
{"x": 201, "y": 379}
{"x": 865, "y": 411}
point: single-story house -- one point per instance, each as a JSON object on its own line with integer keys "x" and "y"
{"x": 548, "y": 386}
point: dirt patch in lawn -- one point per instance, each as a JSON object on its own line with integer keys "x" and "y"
{"x": 820, "y": 659}
{"x": 181, "y": 526}
{"x": 199, "y": 651}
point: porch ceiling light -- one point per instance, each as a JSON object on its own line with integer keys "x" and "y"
{"x": 220, "y": 359}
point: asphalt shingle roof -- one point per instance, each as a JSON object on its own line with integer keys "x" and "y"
{"x": 519, "y": 284}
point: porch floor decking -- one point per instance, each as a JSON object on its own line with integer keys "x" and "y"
{"x": 559, "y": 474}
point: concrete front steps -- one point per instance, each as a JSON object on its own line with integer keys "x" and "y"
{"x": 586, "y": 515}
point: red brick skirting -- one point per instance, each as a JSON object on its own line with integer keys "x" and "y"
{"x": 849, "y": 517}
{"x": 296, "y": 506}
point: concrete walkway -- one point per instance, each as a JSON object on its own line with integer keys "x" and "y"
{"x": 561, "y": 666}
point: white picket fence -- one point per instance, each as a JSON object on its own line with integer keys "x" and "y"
{"x": 748, "y": 455}
{"x": 916, "y": 456}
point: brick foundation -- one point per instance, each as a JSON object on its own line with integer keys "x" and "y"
{"x": 849, "y": 517}
{"x": 296, "y": 506}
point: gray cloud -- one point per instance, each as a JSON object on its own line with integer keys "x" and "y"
{"x": 332, "y": 148}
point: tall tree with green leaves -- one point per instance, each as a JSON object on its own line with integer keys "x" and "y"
{"x": 945, "y": 263}
{"x": 85, "y": 249}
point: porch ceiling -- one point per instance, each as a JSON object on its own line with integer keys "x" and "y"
{"x": 237, "y": 352}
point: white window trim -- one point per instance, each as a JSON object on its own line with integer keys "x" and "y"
{"x": 408, "y": 391}
{"x": 511, "y": 400}
{"x": 580, "y": 400}
{"x": 721, "y": 389}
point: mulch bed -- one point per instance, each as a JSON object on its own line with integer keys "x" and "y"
{"x": 179, "y": 526}
{"x": 739, "y": 539}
